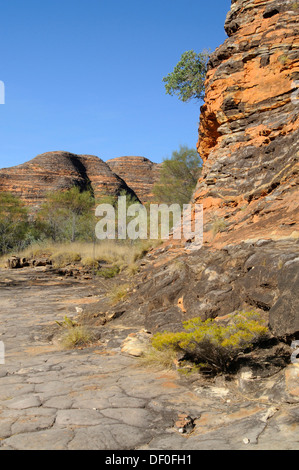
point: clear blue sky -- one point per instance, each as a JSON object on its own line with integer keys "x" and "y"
{"x": 85, "y": 76}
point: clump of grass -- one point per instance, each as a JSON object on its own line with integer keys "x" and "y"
{"x": 61, "y": 259}
{"x": 284, "y": 59}
{"x": 176, "y": 267}
{"x": 118, "y": 293}
{"x": 90, "y": 262}
{"x": 132, "y": 269}
{"x": 218, "y": 225}
{"x": 280, "y": 264}
{"x": 75, "y": 335}
{"x": 212, "y": 344}
{"x": 67, "y": 323}
{"x": 158, "y": 359}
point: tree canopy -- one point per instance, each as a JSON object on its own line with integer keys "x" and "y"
{"x": 178, "y": 177}
{"x": 13, "y": 222}
{"x": 67, "y": 215}
{"x": 188, "y": 77}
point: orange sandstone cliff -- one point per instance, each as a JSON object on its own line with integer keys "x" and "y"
{"x": 249, "y": 126}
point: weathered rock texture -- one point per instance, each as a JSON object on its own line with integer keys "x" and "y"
{"x": 248, "y": 139}
{"x": 139, "y": 173}
{"x": 54, "y": 171}
{"x": 249, "y": 125}
{"x": 99, "y": 398}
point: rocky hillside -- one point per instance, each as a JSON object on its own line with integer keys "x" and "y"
{"x": 138, "y": 172}
{"x": 248, "y": 139}
{"x": 54, "y": 171}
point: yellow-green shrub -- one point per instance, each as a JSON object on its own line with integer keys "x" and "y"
{"x": 213, "y": 343}
{"x": 108, "y": 273}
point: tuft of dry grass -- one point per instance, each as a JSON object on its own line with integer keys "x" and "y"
{"x": 118, "y": 293}
{"x": 157, "y": 359}
{"x": 218, "y": 225}
{"x": 75, "y": 337}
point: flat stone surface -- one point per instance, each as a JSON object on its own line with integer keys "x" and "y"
{"x": 21, "y": 403}
{"x": 97, "y": 398}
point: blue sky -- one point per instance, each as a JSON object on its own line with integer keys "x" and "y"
{"x": 85, "y": 76}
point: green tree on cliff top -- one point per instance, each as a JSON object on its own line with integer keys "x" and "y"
{"x": 188, "y": 77}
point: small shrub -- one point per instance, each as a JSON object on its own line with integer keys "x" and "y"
{"x": 214, "y": 344}
{"x": 67, "y": 323}
{"x": 108, "y": 273}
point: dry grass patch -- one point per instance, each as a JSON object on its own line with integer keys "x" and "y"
{"x": 77, "y": 336}
{"x": 117, "y": 253}
{"x": 157, "y": 359}
{"x": 74, "y": 334}
{"x": 118, "y": 293}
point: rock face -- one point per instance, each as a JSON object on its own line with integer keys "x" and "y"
{"x": 249, "y": 125}
{"x": 54, "y": 171}
{"x": 138, "y": 172}
{"x": 261, "y": 276}
{"x": 249, "y": 142}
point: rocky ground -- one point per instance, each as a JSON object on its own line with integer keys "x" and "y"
{"x": 100, "y": 397}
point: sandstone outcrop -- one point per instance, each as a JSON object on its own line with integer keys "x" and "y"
{"x": 53, "y": 171}
{"x": 139, "y": 173}
{"x": 248, "y": 139}
{"x": 249, "y": 125}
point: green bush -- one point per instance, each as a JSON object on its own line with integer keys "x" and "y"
{"x": 178, "y": 177}
{"x": 213, "y": 344}
{"x": 14, "y": 226}
{"x": 108, "y": 273}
